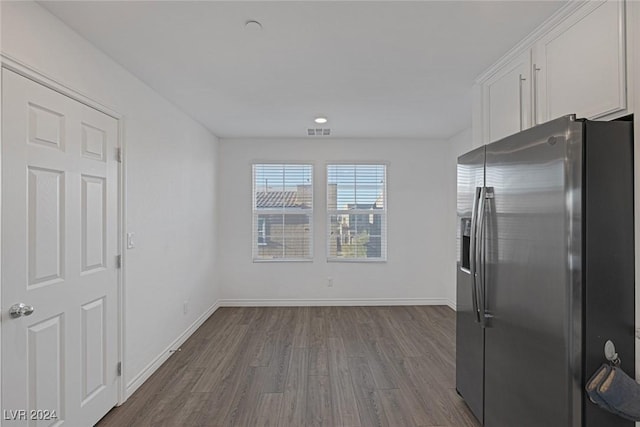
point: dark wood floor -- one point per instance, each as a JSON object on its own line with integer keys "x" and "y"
{"x": 307, "y": 366}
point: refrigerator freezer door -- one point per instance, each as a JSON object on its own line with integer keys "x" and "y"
{"x": 530, "y": 288}
{"x": 469, "y": 333}
{"x": 609, "y": 298}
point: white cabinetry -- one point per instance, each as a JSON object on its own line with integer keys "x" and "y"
{"x": 506, "y": 96}
{"x": 580, "y": 65}
{"x": 574, "y": 63}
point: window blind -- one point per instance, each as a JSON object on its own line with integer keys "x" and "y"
{"x": 282, "y": 211}
{"x": 357, "y": 212}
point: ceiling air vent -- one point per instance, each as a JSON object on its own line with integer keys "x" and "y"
{"x": 318, "y": 132}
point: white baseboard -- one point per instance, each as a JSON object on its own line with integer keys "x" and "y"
{"x": 148, "y": 370}
{"x": 451, "y": 304}
{"x": 330, "y": 302}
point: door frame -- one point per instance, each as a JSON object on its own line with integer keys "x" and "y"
{"x": 25, "y": 70}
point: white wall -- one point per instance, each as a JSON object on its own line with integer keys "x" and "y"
{"x": 418, "y": 187}
{"x": 171, "y": 183}
{"x": 458, "y": 144}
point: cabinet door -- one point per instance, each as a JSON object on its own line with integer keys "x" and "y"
{"x": 579, "y": 67}
{"x": 506, "y": 99}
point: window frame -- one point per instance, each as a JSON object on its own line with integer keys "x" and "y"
{"x": 285, "y": 211}
{"x": 385, "y": 212}
{"x": 261, "y": 232}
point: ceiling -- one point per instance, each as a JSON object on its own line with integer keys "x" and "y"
{"x": 375, "y": 69}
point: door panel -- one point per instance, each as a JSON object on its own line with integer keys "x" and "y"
{"x": 581, "y": 64}
{"x": 45, "y": 371}
{"x": 507, "y": 95}
{"x": 46, "y": 127}
{"x": 94, "y": 334}
{"x": 46, "y": 226}
{"x": 59, "y": 241}
{"x": 528, "y": 342}
{"x": 93, "y": 223}
{"x": 469, "y": 334}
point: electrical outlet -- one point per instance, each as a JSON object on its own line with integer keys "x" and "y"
{"x": 330, "y": 282}
{"x": 130, "y": 240}
{"x": 185, "y": 307}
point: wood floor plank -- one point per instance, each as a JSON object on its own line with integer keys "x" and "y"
{"x": 220, "y": 356}
{"x": 361, "y": 314}
{"x": 396, "y": 408}
{"x": 383, "y": 371}
{"x": 281, "y": 358}
{"x": 268, "y": 410}
{"x": 318, "y": 362}
{"x": 318, "y": 331}
{"x": 406, "y": 343}
{"x": 265, "y": 350}
{"x": 145, "y": 400}
{"x": 177, "y": 402}
{"x": 293, "y": 409}
{"x": 301, "y": 330}
{"x": 343, "y": 401}
{"x": 354, "y": 344}
{"x": 247, "y": 315}
{"x": 318, "y": 411}
{"x": 134, "y": 411}
{"x": 333, "y": 324}
{"x": 232, "y": 379}
{"x": 222, "y": 319}
{"x": 186, "y": 414}
{"x": 425, "y": 366}
{"x": 370, "y": 408}
{"x": 220, "y": 336}
{"x": 457, "y": 412}
{"x": 390, "y": 347}
{"x": 377, "y": 324}
{"x": 242, "y": 409}
{"x": 429, "y": 388}
{"x": 307, "y": 366}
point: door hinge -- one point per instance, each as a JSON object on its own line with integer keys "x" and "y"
{"x": 118, "y": 261}
{"x": 119, "y": 154}
{"x": 119, "y": 369}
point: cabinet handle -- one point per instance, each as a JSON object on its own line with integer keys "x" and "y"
{"x": 522, "y": 79}
{"x": 535, "y": 94}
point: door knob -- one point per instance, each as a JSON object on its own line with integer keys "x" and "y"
{"x": 21, "y": 309}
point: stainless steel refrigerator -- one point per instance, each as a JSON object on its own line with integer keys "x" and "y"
{"x": 545, "y": 272}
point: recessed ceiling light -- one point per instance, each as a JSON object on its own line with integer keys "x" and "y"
{"x": 320, "y": 120}
{"x": 253, "y": 25}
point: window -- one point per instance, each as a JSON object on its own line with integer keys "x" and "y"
{"x": 357, "y": 212}
{"x": 282, "y": 211}
{"x": 262, "y": 231}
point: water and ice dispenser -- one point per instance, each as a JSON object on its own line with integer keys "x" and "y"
{"x": 466, "y": 242}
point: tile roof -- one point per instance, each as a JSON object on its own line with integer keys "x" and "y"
{"x": 277, "y": 199}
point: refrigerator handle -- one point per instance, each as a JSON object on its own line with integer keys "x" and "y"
{"x": 486, "y": 193}
{"x": 472, "y": 252}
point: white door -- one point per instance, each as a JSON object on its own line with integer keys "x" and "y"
{"x": 59, "y": 246}
{"x": 507, "y": 95}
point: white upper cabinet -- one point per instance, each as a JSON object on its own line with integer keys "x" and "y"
{"x": 574, "y": 63}
{"x": 506, "y": 96}
{"x": 580, "y": 64}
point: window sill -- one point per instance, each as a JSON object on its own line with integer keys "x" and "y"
{"x": 360, "y": 260}
{"x": 264, "y": 260}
